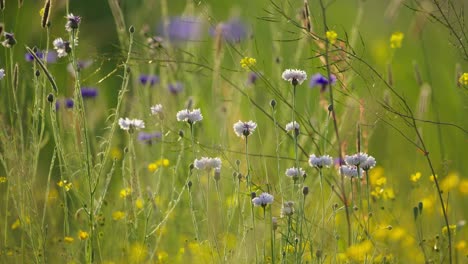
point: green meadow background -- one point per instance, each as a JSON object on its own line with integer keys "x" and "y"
{"x": 41, "y": 221}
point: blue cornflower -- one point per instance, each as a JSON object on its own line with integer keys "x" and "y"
{"x": 73, "y": 22}
{"x": 89, "y": 92}
{"x": 51, "y": 56}
{"x": 183, "y": 29}
{"x": 149, "y": 79}
{"x": 176, "y": 87}
{"x": 69, "y": 103}
{"x": 252, "y": 78}
{"x": 149, "y": 138}
{"x": 233, "y": 31}
{"x": 322, "y": 81}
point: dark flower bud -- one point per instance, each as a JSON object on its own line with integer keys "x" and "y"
{"x": 50, "y": 98}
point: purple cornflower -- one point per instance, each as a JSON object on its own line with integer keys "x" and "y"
{"x": 149, "y": 138}
{"x": 69, "y": 103}
{"x": 51, "y": 56}
{"x": 263, "y": 199}
{"x": 175, "y": 88}
{"x": 149, "y": 79}
{"x": 9, "y": 41}
{"x": 89, "y": 92}
{"x": 252, "y": 78}
{"x": 244, "y": 129}
{"x": 183, "y": 29}
{"x": 62, "y": 47}
{"x": 233, "y": 31}
{"x": 322, "y": 81}
{"x": 72, "y": 23}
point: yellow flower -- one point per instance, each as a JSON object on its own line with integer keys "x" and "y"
{"x": 396, "y": 39}
{"x": 463, "y": 187}
{"x": 415, "y": 177}
{"x": 125, "y": 192}
{"x": 375, "y": 175}
{"x": 381, "y": 181}
{"x": 461, "y": 245}
{"x": 247, "y": 62}
{"x": 68, "y": 239}
{"x": 41, "y": 12}
{"x": 453, "y": 228}
{"x": 359, "y": 251}
{"x": 162, "y": 256}
{"x": 65, "y": 184}
{"x": 139, "y": 203}
{"x": 464, "y": 78}
{"x": 83, "y": 235}
{"x": 16, "y": 224}
{"x": 118, "y": 215}
{"x": 138, "y": 253}
{"x": 331, "y": 36}
{"x": 431, "y": 178}
{"x": 152, "y": 167}
{"x": 450, "y": 182}
{"x": 116, "y": 154}
{"x": 3, "y": 179}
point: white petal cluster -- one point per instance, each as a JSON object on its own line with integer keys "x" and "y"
{"x": 295, "y": 173}
{"x": 320, "y": 161}
{"x": 351, "y": 171}
{"x": 361, "y": 159}
{"x": 62, "y": 47}
{"x": 206, "y": 163}
{"x": 263, "y": 199}
{"x": 292, "y": 126}
{"x": 131, "y": 124}
{"x": 294, "y": 76}
{"x": 287, "y": 209}
{"x": 244, "y": 129}
{"x": 156, "y": 109}
{"x": 189, "y": 116}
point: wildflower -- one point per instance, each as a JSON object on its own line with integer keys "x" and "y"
{"x": 263, "y": 199}
{"x": 292, "y": 126}
{"x": 138, "y": 252}
{"x": 156, "y": 109}
{"x": 432, "y": 178}
{"x": 152, "y": 167}
{"x": 118, "y": 215}
{"x": 3, "y": 179}
{"x": 2, "y": 73}
{"x": 453, "y": 228}
{"x": 450, "y": 182}
{"x": 180, "y": 29}
{"x": 247, "y": 62}
{"x": 368, "y": 164}
{"x": 321, "y": 161}
{"x": 148, "y": 79}
{"x": 295, "y": 173}
{"x": 287, "y": 209}
{"x": 331, "y": 36}
{"x": 68, "y": 239}
{"x": 232, "y": 31}
{"x": 188, "y": 116}
{"x": 16, "y": 224}
{"x": 83, "y": 235}
{"x": 244, "y": 128}
{"x": 154, "y": 42}
{"x": 124, "y": 193}
{"x": 350, "y": 171}
{"x": 415, "y": 177}
{"x": 356, "y": 159}
{"x": 207, "y": 163}
{"x": 9, "y": 41}
{"x": 116, "y": 154}
{"x": 463, "y": 79}
{"x": 294, "y": 76}
{"x": 51, "y": 56}
{"x": 65, "y": 184}
{"x": 149, "y": 138}
{"x": 69, "y": 103}
{"x": 463, "y": 188}
{"x": 319, "y": 80}
{"x": 131, "y": 124}
{"x": 359, "y": 252}
{"x": 175, "y": 88}
{"x": 252, "y": 78}
{"x": 62, "y": 47}
{"x": 72, "y": 23}
{"x": 139, "y": 203}
{"x": 396, "y": 39}
{"x": 88, "y": 92}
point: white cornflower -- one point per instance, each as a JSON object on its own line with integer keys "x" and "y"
{"x": 368, "y": 164}
{"x": 156, "y": 109}
{"x": 287, "y": 209}
{"x": 207, "y": 163}
{"x": 356, "y": 159}
{"x": 351, "y": 171}
{"x": 321, "y": 161}
{"x": 188, "y": 116}
{"x": 294, "y": 76}
{"x": 295, "y": 173}
{"x": 62, "y": 47}
{"x": 244, "y": 128}
{"x": 131, "y": 124}
{"x": 263, "y": 199}
{"x": 292, "y": 126}
{"x": 73, "y": 22}
{"x": 2, "y": 73}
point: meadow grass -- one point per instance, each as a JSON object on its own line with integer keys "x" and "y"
{"x": 233, "y": 131}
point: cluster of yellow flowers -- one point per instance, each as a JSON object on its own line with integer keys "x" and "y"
{"x": 152, "y": 167}
{"x": 248, "y": 62}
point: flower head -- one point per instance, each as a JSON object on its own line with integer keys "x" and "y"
{"x": 232, "y": 31}
{"x": 321, "y": 161}
{"x": 463, "y": 79}
{"x": 175, "y": 88}
{"x": 331, "y": 36}
{"x": 62, "y": 47}
{"x": 188, "y": 116}
{"x": 263, "y": 199}
{"x": 2, "y": 73}
{"x": 292, "y": 126}
{"x": 149, "y": 79}
{"x": 252, "y": 78}
{"x": 244, "y": 129}
{"x": 295, "y": 173}
{"x": 207, "y": 163}
{"x": 89, "y": 92}
{"x": 179, "y": 29}
{"x": 72, "y": 23}
{"x": 287, "y": 209}
{"x": 51, "y": 56}
{"x": 396, "y": 39}
{"x": 148, "y": 138}
{"x": 157, "y": 109}
{"x": 69, "y": 103}
{"x": 351, "y": 171}
{"x": 322, "y": 81}
{"x": 131, "y": 124}
{"x": 9, "y": 41}
{"x": 361, "y": 159}
{"x": 247, "y": 62}
{"x": 294, "y": 76}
